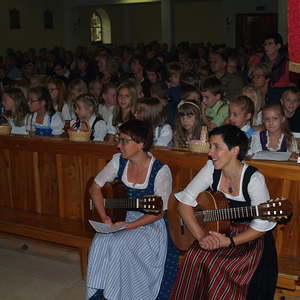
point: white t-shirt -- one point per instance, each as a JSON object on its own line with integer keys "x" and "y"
{"x": 257, "y": 190}
{"x": 162, "y": 184}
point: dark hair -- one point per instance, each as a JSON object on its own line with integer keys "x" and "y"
{"x": 139, "y": 59}
{"x": 139, "y": 131}
{"x": 221, "y": 53}
{"x": 232, "y": 137}
{"x": 276, "y": 37}
{"x": 212, "y": 84}
{"x": 43, "y": 95}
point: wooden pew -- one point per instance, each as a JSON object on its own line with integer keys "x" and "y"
{"x": 49, "y": 177}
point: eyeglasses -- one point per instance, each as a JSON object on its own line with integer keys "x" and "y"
{"x": 122, "y": 140}
{"x": 51, "y": 90}
{"x": 33, "y": 101}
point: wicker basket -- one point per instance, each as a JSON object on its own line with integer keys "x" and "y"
{"x": 199, "y": 146}
{"x": 79, "y": 135}
{"x": 5, "y": 130}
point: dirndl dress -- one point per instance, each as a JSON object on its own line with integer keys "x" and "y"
{"x": 129, "y": 264}
{"x": 237, "y": 273}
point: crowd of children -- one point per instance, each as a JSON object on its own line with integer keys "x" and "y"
{"x": 177, "y": 92}
{"x": 141, "y": 95}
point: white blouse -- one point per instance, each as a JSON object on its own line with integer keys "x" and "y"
{"x": 55, "y": 122}
{"x": 67, "y": 112}
{"x": 257, "y": 190}
{"x": 111, "y": 129}
{"x": 163, "y": 135}
{"x": 17, "y": 129}
{"x": 162, "y": 184}
{"x": 257, "y": 120}
{"x": 106, "y": 112}
{"x": 256, "y": 144}
{"x": 100, "y": 128}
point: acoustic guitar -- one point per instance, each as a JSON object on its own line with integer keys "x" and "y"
{"x": 117, "y": 203}
{"x": 213, "y": 214}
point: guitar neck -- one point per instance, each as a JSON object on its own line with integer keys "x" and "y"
{"x": 229, "y": 213}
{"x": 121, "y": 203}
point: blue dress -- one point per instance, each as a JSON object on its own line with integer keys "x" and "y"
{"x": 129, "y": 264}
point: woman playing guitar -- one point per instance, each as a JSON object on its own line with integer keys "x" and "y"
{"x": 129, "y": 264}
{"x": 243, "y": 264}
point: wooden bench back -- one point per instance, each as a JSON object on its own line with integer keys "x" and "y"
{"x": 51, "y": 176}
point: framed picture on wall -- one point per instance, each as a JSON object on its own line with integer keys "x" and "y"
{"x": 14, "y": 19}
{"x": 48, "y": 19}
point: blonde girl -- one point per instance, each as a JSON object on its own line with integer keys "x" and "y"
{"x": 255, "y": 95}
{"x": 76, "y": 88}
{"x": 124, "y": 108}
{"x": 86, "y": 109}
{"x": 241, "y": 110}
{"x": 187, "y": 124}
{"x": 43, "y": 119}
{"x": 16, "y": 109}
{"x": 153, "y": 112}
{"x": 277, "y": 136}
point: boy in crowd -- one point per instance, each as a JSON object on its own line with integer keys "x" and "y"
{"x": 290, "y": 101}
{"x": 214, "y": 110}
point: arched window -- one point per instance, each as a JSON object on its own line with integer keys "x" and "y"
{"x": 96, "y": 28}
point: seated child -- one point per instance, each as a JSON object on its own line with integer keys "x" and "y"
{"x": 16, "y": 109}
{"x": 174, "y": 90}
{"x": 290, "y": 101}
{"x": 152, "y": 111}
{"x": 96, "y": 88}
{"x": 241, "y": 110}
{"x": 277, "y": 136}
{"x": 256, "y": 96}
{"x": 86, "y": 109}
{"x": 43, "y": 120}
{"x": 108, "y": 101}
{"x": 187, "y": 124}
{"x": 214, "y": 111}
{"x": 124, "y": 108}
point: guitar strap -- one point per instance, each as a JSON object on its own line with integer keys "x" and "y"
{"x": 247, "y": 176}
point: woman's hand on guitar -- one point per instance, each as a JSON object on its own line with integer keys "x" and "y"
{"x": 214, "y": 240}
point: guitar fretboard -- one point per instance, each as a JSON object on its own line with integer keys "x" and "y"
{"x": 121, "y": 203}
{"x": 229, "y": 213}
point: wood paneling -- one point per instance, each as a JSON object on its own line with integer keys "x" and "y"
{"x": 52, "y": 176}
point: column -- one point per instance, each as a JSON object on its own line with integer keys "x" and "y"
{"x": 167, "y": 22}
